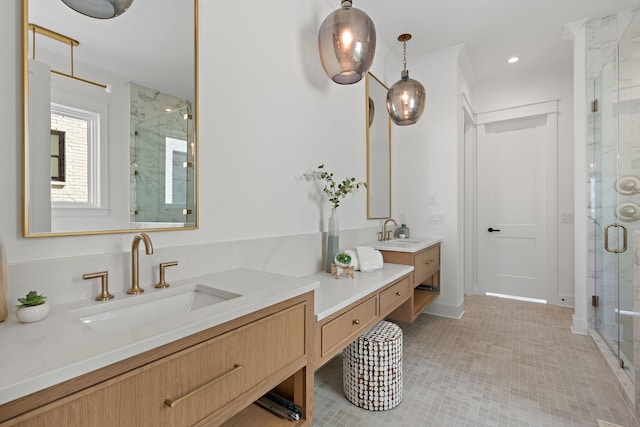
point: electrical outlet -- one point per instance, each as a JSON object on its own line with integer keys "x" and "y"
{"x": 566, "y": 218}
{"x": 431, "y": 200}
{"x": 436, "y": 218}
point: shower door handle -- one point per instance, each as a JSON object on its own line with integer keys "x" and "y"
{"x": 624, "y": 239}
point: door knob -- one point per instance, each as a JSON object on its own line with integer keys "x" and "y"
{"x": 491, "y": 230}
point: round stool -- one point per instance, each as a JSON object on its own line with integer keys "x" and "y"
{"x": 372, "y": 368}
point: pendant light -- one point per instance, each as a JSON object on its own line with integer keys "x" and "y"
{"x": 347, "y": 44}
{"x": 101, "y": 9}
{"x": 406, "y": 98}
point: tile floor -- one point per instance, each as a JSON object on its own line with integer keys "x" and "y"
{"x": 505, "y": 363}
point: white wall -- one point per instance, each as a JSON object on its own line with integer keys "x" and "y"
{"x": 490, "y": 98}
{"x": 426, "y": 164}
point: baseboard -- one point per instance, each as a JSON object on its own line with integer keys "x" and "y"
{"x": 580, "y": 326}
{"x": 443, "y": 310}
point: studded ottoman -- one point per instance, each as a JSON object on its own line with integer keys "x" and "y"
{"x": 372, "y": 368}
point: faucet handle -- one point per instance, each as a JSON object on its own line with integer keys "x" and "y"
{"x": 104, "y": 284}
{"x": 162, "y": 283}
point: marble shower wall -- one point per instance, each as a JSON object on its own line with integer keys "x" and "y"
{"x": 628, "y": 109}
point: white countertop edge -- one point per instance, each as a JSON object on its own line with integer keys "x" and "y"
{"x": 390, "y": 245}
{"x": 362, "y": 285}
{"x": 49, "y": 377}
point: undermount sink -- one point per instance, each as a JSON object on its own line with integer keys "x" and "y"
{"x": 403, "y": 242}
{"x": 403, "y": 245}
{"x": 134, "y": 311}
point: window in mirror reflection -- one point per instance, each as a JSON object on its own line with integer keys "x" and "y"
{"x": 57, "y": 156}
{"x": 72, "y": 141}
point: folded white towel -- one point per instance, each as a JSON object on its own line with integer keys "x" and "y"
{"x": 354, "y": 258}
{"x": 369, "y": 258}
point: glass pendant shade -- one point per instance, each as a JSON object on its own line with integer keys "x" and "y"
{"x": 101, "y": 9}
{"x": 347, "y": 44}
{"x": 406, "y": 98}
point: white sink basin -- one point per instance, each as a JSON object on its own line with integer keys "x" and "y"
{"x": 403, "y": 245}
{"x": 402, "y": 242}
{"x": 134, "y": 311}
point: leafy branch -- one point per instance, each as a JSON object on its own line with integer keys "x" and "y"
{"x": 335, "y": 191}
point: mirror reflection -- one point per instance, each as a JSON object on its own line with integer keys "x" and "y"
{"x": 110, "y": 119}
{"x": 378, "y": 126}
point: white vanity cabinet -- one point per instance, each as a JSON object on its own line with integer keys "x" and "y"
{"x": 208, "y": 379}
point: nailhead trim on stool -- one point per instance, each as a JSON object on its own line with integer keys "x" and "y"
{"x": 372, "y": 368}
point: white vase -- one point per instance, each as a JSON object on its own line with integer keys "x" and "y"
{"x": 33, "y": 313}
{"x": 333, "y": 239}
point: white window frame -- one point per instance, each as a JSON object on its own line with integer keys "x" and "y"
{"x": 97, "y": 115}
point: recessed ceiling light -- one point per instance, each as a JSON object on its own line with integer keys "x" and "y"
{"x": 513, "y": 59}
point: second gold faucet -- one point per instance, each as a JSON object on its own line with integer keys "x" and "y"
{"x": 135, "y": 276}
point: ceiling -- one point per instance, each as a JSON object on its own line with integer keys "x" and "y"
{"x": 491, "y": 31}
{"x": 150, "y": 44}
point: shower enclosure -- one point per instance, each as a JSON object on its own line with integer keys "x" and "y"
{"x": 614, "y": 202}
{"x": 162, "y": 164}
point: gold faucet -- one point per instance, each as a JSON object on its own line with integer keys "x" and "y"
{"x": 135, "y": 277}
{"x": 384, "y": 228}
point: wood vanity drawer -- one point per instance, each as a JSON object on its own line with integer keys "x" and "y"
{"x": 394, "y": 296}
{"x": 426, "y": 263}
{"x": 199, "y": 380}
{"x": 348, "y": 326}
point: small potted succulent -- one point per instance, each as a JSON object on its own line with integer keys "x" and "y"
{"x": 32, "y": 307}
{"x": 342, "y": 259}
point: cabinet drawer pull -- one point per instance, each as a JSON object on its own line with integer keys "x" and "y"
{"x": 356, "y": 322}
{"x": 398, "y": 294}
{"x": 172, "y": 403}
{"x": 429, "y": 262}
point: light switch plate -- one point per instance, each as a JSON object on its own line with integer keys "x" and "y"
{"x": 436, "y": 218}
{"x": 566, "y": 217}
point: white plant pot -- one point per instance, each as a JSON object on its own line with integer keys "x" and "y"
{"x": 33, "y": 313}
{"x": 341, "y": 264}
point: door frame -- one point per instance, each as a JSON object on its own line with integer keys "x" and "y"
{"x": 550, "y": 110}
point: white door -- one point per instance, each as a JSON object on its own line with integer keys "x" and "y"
{"x": 512, "y": 182}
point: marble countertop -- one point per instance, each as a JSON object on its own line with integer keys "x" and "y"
{"x": 412, "y": 245}
{"x": 334, "y": 294}
{"x": 37, "y": 355}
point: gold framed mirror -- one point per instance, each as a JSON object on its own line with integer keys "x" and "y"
{"x": 110, "y": 125}
{"x": 378, "y": 125}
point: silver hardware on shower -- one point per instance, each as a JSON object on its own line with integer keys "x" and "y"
{"x": 628, "y": 212}
{"x": 628, "y": 185}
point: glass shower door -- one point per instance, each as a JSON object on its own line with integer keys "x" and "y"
{"x": 615, "y": 196}
{"x": 604, "y": 199}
